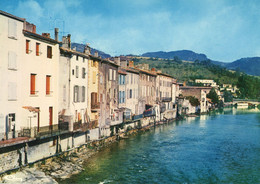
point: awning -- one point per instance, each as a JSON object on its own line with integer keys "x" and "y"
{"x": 31, "y": 109}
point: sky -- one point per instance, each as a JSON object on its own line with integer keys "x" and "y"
{"x": 224, "y": 30}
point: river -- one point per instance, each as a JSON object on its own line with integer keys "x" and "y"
{"x": 218, "y": 148}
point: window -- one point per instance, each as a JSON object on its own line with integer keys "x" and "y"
{"x": 77, "y": 57}
{"x": 77, "y": 71}
{"x": 76, "y": 94}
{"x": 48, "y": 83}
{"x": 37, "y": 49}
{"x": 27, "y": 46}
{"x": 101, "y": 79}
{"x": 12, "y": 60}
{"x": 130, "y": 93}
{"x": 83, "y": 94}
{"x": 110, "y": 74}
{"x": 83, "y": 73}
{"x": 32, "y": 88}
{"x": 123, "y": 94}
{"x": 49, "y": 52}
{"x": 64, "y": 93}
{"x": 123, "y": 79}
{"x": 12, "y": 29}
{"x": 12, "y": 91}
{"x": 114, "y": 75}
{"x": 72, "y": 71}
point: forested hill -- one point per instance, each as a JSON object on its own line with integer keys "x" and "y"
{"x": 248, "y": 65}
{"x": 181, "y": 54}
{"x": 80, "y": 48}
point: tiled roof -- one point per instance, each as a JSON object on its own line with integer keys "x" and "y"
{"x": 35, "y": 35}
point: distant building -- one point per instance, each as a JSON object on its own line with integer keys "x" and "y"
{"x": 206, "y": 82}
{"x": 200, "y": 93}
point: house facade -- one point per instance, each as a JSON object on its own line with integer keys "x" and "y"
{"x": 200, "y": 93}
{"x": 39, "y": 84}
{"x": 12, "y": 51}
{"x": 73, "y": 86}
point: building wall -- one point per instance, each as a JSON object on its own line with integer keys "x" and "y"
{"x": 10, "y": 77}
{"x": 132, "y": 83}
{"x": 79, "y": 103}
{"x": 48, "y": 66}
{"x": 93, "y": 80}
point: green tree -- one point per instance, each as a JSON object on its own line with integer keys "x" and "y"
{"x": 193, "y": 100}
{"x": 228, "y": 97}
{"x": 213, "y": 96}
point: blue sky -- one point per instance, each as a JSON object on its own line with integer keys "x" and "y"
{"x": 224, "y": 30}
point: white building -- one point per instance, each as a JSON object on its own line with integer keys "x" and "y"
{"x": 11, "y": 62}
{"x": 29, "y": 78}
{"x": 39, "y": 84}
{"x": 206, "y": 82}
{"x": 73, "y": 86}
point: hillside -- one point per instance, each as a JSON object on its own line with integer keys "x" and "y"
{"x": 181, "y": 54}
{"x": 80, "y": 48}
{"x": 189, "y": 71}
{"x": 248, "y": 65}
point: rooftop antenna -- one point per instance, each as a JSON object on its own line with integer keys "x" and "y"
{"x": 55, "y": 22}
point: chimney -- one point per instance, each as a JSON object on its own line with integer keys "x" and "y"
{"x": 30, "y": 27}
{"x": 117, "y": 60}
{"x": 87, "y": 49}
{"x": 69, "y": 41}
{"x": 57, "y": 34}
{"x": 131, "y": 64}
{"x": 46, "y": 35}
{"x": 96, "y": 54}
{"x": 153, "y": 70}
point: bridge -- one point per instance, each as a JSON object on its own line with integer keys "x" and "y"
{"x": 243, "y": 102}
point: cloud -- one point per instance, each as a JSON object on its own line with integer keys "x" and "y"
{"x": 30, "y": 10}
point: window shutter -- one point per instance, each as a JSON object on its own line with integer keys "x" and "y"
{"x": 110, "y": 74}
{"x": 64, "y": 93}
{"x": 114, "y": 76}
{"x": 12, "y": 29}
{"x": 12, "y": 60}
{"x": 27, "y": 47}
{"x": 32, "y": 84}
{"x": 79, "y": 94}
{"x": 12, "y": 91}
{"x": 48, "y": 82}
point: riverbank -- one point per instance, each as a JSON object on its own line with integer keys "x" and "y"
{"x": 65, "y": 164}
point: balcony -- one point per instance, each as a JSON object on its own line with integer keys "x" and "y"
{"x": 95, "y": 106}
{"x": 166, "y": 99}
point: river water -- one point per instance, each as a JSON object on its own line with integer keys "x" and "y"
{"x": 218, "y": 148}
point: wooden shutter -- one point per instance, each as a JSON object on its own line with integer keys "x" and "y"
{"x": 32, "y": 84}
{"x": 27, "y": 46}
{"x": 49, "y": 52}
{"x": 48, "y": 82}
{"x": 37, "y": 49}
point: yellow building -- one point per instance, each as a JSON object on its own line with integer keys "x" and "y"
{"x": 93, "y": 92}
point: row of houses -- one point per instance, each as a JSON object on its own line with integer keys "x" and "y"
{"x": 48, "y": 87}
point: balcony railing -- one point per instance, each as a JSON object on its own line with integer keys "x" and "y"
{"x": 166, "y": 99}
{"x": 45, "y": 130}
{"x": 95, "y": 106}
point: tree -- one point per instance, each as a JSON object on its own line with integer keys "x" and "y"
{"x": 213, "y": 96}
{"x": 228, "y": 97}
{"x": 193, "y": 100}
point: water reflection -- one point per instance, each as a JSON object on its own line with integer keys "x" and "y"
{"x": 207, "y": 149}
